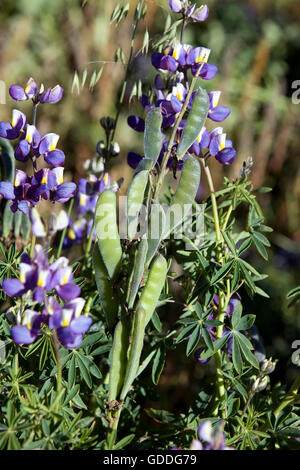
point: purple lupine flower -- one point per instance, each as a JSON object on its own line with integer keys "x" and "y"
{"x": 47, "y": 147}
{"x": 70, "y": 324}
{"x": 210, "y": 438}
{"x": 221, "y": 148}
{"x": 12, "y": 130}
{"x": 76, "y": 232}
{"x": 190, "y": 11}
{"x": 38, "y": 95}
{"x": 28, "y": 330}
{"x": 88, "y": 192}
{"x": 28, "y": 190}
{"x": 17, "y": 192}
{"x": 38, "y": 276}
{"x": 217, "y": 113}
{"x": 28, "y": 143}
{"x": 198, "y": 57}
{"x": 164, "y": 62}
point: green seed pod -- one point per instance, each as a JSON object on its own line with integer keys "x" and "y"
{"x": 137, "y": 272}
{"x": 135, "y": 350}
{"x": 157, "y": 224}
{"x": 152, "y": 139}
{"x": 118, "y": 359}
{"x": 108, "y": 300}
{"x": 135, "y": 198}
{"x": 154, "y": 286}
{"x": 107, "y": 232}
{"x": 185, "y": 193}
{"x": 195, "y": 121}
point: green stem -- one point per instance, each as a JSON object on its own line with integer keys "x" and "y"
{"x": 113, "y": 429}
{"x": 223, "y": 298}
{"x": 63, "y": 234}
{"x": 90, "y": 241}
{"x": 33, "y": 240}
{"x": 59, "y": 368}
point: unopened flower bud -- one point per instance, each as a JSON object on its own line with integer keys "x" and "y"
{"x": 107, "y": 123}
{"x": 100, "y": 148}
{"x": 260, "y": 384}
{"x": 268, "y": 366}
{"x": 115, "y": 149}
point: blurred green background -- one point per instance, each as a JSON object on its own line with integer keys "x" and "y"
{"x": 256, "y": 45}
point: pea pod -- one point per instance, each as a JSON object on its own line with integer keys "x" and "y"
{"x": 138, "y": 271}
{"x": 107, "y": 296}
{"x": 142, "y": 316}
{"x": 195, "y": 121}
{"x": 152, "y": 139}
{"x": 154, "y": 285}
{"x": 135, "y": 350}
{"x": 107, "y": 232}
{"x": 185, "y": 193}
{"x": 157, "y": 224}
{"x": 118, "y": 359}
{"x": 135, "y": 198}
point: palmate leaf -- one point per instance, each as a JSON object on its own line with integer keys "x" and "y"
{"x": 246, "y": 347}
{"x": 218, "y": 344}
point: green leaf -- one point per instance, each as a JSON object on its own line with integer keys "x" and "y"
{"x": 158, "y": 363}
{"x": 245, "y": 322}
{"x": 236, "y": 355}
{"x": 124, "y": 442}
{"x": 246, "y": 350}
{"x": 221, "y": 273}
{"x": 193, "y": 340}
{"x": 207, "y": 339}
{"x": 229, "y": 242}
{"x": 236, "y": 316}
{"x": 260, "y": 247}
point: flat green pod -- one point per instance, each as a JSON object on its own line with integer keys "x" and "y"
{"x": 135, "y": 350}
{"x": 153, "y": 139}
{"x": 154, "y": 286}
{"x": 195, "y": 122}
{"x": 138, "y": 271}
{"x": 118, "y": 359}
{"x": 107, "y": 232}
{"x": 135, "y": 199}
{"x": 108, "y": 300}
{"x": 185, "y": 193}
